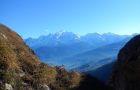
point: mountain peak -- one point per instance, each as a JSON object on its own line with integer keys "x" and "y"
{"x": 109, "y": 33}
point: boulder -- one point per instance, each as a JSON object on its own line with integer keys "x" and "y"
{"x": 8, "y": 86}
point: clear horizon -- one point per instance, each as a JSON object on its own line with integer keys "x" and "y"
{"x": 32, "y": 18}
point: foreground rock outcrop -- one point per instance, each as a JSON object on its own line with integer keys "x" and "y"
{"x": 126, "y": 73}
{"x": 20, "y": 69}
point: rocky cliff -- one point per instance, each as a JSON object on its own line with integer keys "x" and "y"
{"x": 126, "y": 73}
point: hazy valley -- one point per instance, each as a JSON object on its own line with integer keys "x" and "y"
{"x": 82, "y": 53}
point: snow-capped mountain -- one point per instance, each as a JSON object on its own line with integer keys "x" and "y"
{"x": 102, "y": 39}
{"x": 54, "y": 39}
{"x": 65, "y": 47}
{"x": 67, "y": 38}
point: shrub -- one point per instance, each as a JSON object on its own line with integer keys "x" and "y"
{"x": 75, "y": 79}
{"x": 44, "y": 74}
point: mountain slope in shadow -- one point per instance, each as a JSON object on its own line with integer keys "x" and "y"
{"x": 126, "y": 74}
{"x": 102, "y": 73}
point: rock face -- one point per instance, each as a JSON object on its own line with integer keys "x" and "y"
{"x": 126, "y": 73}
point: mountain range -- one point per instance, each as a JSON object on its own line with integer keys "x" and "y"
{"x": 68, "y": 38}
{"x": 75, "y": 51}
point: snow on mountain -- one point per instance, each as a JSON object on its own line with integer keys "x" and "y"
{"x": 57, "y": 47}
{"x": 66, "y": 38}
{"x": 54, "y": 39}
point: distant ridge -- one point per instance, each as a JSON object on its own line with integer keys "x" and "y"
{"x": 65, "y": 44}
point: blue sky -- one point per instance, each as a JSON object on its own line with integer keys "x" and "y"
{"x": 32, "y": 18}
